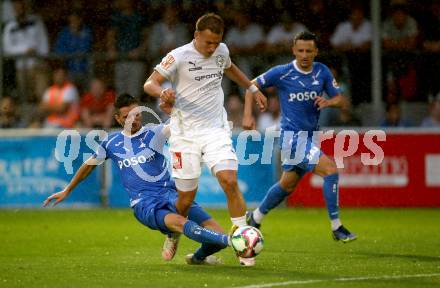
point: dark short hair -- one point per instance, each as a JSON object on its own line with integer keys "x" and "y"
{"x": 212, "y": 22}
{"x": 124, "y": 100}
{"x": 305, "y": 35}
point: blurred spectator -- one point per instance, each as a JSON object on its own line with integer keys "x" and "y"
{"x": 393, "y": 117}
{"x": 433, "y": 120}
{"x": 75, "y": 39}
{"x": 345, "y": 117}
{"x": 342, "y": 116}
{"x": 431, "y": 46}
{"x": 244, "y": 39}
{"x": 353, "y": 37}
{"x": 270, "y": 118}
{"x": 354, "y": 34}
{"x": 399, "y": 40}
{"x": 244, "y": 36}
{"x": 9, "y": 114}
{"x": 234, "y": 107}
{"x": 97, "y": 106}
{"x": 319, "y": 21}
{"x": 26, "y": 36}
{"x": 127, "y": 38}
{"x": 60, "y": 102}
{"x": 167, "y": 34}
{"x": 280, "y": 36}
{"x": 400, "y": 29}
{"x": 432, "y": 28}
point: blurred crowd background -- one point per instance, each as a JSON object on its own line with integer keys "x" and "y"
{"x": 64, "y": 61}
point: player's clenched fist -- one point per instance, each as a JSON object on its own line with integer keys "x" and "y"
{"x": 168, "y": 95}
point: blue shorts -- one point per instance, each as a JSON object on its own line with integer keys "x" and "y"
{"x": 300, "y": 152}
{"x": 152, "y": 212}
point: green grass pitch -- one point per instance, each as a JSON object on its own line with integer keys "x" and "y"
{"x": 109, "y": 248}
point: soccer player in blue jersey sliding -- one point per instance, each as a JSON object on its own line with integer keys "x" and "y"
{"x": 137, "y": 151}
{"x": 301, "y": 85}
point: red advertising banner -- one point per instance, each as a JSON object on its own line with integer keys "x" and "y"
{"x": 408, "y": 175}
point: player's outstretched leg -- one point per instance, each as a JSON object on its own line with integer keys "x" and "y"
{"x": 203, "y": 235}
{"x": 203, "y": 255}
{"x": 274, "y": 196}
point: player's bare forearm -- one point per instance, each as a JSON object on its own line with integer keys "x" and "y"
{"x": 153, "y": 84}
{"x": 236, "y": 75}
{"x": 153, "y": 87}
{"x": 248, "y": 100}
{"x": 248, "y": 121}
{"x": 80, "y": 175}
{"x": 337, "y": 101}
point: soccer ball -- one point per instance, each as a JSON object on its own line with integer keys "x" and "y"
{"x": 247, "y": 241}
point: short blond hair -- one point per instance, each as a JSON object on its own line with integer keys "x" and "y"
{"x": 212, "y": 22}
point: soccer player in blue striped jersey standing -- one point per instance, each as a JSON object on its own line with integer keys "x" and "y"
{"x": 137, "y": 151}
{"x": 301, "y": 85}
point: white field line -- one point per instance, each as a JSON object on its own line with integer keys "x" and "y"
{"x": 345, "y": 279}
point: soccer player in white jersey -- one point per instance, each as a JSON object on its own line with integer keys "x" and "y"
{"x": 137, "y": 150}
{"x": 301, "y": 85}
{"x": 199, "y": 128}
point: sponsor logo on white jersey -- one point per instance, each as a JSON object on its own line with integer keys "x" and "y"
{"x": 217, "y": 75}
{"x": 220, "y": 61}
{"x": 194, "y": 66}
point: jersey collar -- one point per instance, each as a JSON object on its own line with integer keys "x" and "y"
{"x": 142, "y": 130}
{"x": 295, "y": 64}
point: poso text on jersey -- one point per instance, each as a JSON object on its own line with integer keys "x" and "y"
{"x": 303, "y": 96}
{"x": 135, "y": 160}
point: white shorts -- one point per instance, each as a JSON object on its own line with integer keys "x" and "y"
{"x": 188, "y": 154}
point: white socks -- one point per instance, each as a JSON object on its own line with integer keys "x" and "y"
{"x": 239, "y": 221}
{"x": 335, "y": 223}
{"x": 258, "y": 216}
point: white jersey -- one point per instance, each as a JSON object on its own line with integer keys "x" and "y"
{"x": 197, "y": 81}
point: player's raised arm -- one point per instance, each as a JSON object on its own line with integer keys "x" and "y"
{"x": 236, "y": 75}
{"x": 82, "y": 173}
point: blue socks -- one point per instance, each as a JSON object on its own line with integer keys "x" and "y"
{"x": 207, "y": 249}
{"x": 205, "y": 236}
{"x": 331, "y": 195}
{"x": 273, "y": 198}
